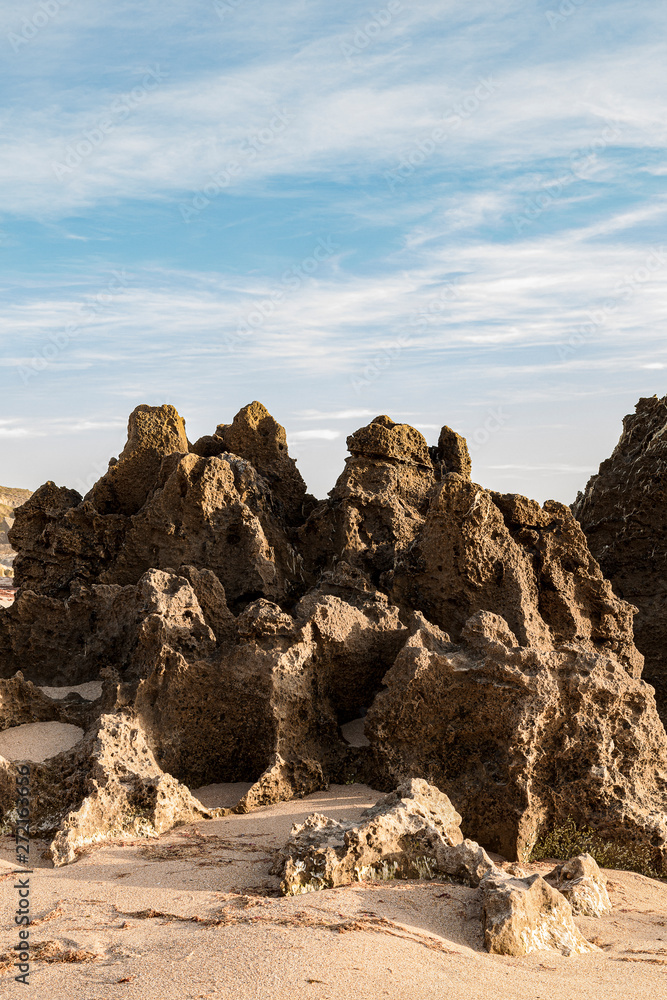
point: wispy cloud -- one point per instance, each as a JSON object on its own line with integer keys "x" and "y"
{"x": 435, "y": 302}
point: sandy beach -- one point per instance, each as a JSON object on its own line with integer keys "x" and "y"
{"x": 194, "y": 915}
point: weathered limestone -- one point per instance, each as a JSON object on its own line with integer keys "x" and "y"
{"x": 583, "y": 885}
{"x": 521, "y": 738}
{"x": 108, "y": 785}
{"x": 623, "y": 512}
{"x": 525, "y": 915}
{"x": 412, "y": 833}
{"x": 470, "y": 636}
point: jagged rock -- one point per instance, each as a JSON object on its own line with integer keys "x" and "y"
{"x": 470, "y": 634}
{"x": 525, "y": 915}
{"x": 281, "y": 686}
{"x": 375, "y": 510}
{"x": 412, "y": 833}
{"x": 106, "y": 786}
{"x": 481, "y": 551}
{"x": 623, "y": 512}
{"x": 283, "y": 780}
{"x": 452, "y": 453}
{"x": 583, "y": 885}
{"x": 261, "y": 440}
{"x": 127, "y": 793}
{"x": 153, "y": 433}
{"x": 521, "y": 738}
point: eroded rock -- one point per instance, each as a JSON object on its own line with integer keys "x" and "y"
{"x": 523, "y": 737}
{"x": 470, "y": 636}
{"x": 412, "y": 833}
{"x": 583, "y": 885}
{"x": 623, "y": 512}
{"x": 525, "y": 915}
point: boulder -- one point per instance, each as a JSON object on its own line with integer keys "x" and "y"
{"x": 412, "y": 833}
{"x": 525, "y": 915}
{"x": 583, "y": 885}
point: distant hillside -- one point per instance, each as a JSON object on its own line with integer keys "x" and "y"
{"x": 11, "y": 497}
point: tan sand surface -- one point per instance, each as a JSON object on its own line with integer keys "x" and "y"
{"x": 223, "y": 796}
{"x": 353, "y": 733}
{"x": 38, "y": 741}
{"x": 191, "y": 916}
{"x": 90, "y": 691}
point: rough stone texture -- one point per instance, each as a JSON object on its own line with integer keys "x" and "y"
{"x": 239, "y": 627}
{"x": 153, "y": 432}
{"x": 127, "y": 793}
{"x": 452, "y": 454}
{"x": 623, "y": 512}
{"x": 412, "y": 833}
{"x": 525, "y": 915}
{"x": 521, "y": 738}
{"x": 257, "y": 437}
{"x": 106, "y": 786}
{"x": 481, "y": 551}
{"x": 583, "y": 885}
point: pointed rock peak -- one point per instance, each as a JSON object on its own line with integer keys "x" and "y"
{"x": 255, "y": 436}
{"x": 153, "y": 432}
{"x": 453, "y": 453}
{"x": 155, "y": 428}
{"x": 383, "y": 438}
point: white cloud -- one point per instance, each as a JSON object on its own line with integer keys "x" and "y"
{"x": 316, "y": 434}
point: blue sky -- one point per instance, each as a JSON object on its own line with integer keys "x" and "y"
{"x": 448, "y": 212}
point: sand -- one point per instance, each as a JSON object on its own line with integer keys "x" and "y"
{"x": 223, "y": 796}
{"x": 7, "y": 595}
{"x": 133, "y": 917}
{"x": 353, "y": 733}
{"x": 38, "y": 741}
{"x": 90, "y": 691}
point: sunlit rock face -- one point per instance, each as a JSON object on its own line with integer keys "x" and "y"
{"x": 239, "y": 627}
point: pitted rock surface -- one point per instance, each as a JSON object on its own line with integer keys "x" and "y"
{"x": 237, "y": 626}
{"x": 412, "y": 833}
{"x": 623, "y": 512}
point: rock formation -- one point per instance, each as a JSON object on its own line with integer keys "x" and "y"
{"x": 623, "y": 512}
{"x": 238, "y": 626}
{"x": 525, "y": 915}
{"x": 415, "y": 833}
{"x": 412, "y": 833}
{"x": 583, "y": 885}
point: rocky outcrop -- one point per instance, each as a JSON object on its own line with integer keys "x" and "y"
{"x": 468, "y": 637}
{"x": 525, "y": 915}
{"x": 412, "y": 833}
{"x": 108, "y": 785}
{"x": 415, "y": 833}
{"x": 623, "y": 512}
{"x": 523, "y": 737}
